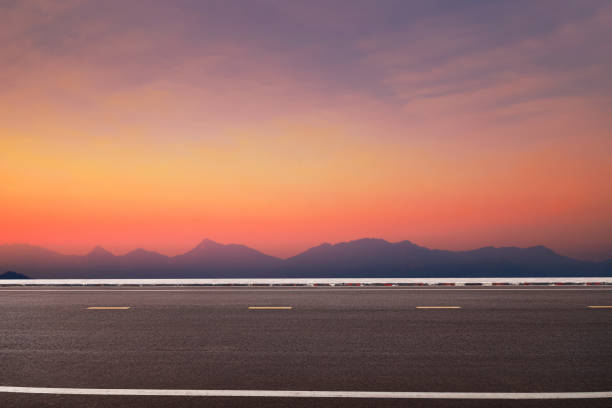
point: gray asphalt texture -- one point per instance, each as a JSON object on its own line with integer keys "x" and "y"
{"x": 358, "y": 339}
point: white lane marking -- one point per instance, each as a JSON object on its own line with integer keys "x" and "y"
{"x": 314, "y": 290}
{"x": 311, "y": 394}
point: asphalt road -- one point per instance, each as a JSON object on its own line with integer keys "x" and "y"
{"x": 356, "y": 339}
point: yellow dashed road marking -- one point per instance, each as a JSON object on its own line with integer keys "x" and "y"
{"x": 108, "y": 308}
{"x": 438, "y": 307}
{"x": 270, "y": 308}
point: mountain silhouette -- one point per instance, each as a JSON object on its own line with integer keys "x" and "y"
{"x": 377, "y": 257}
{"x": 99, "y": 253}
{"x": 12, "y": 275}
{"x": 363, "y": 257}
{"x": 212, "y": 257}
{"x": 368, "y": 257}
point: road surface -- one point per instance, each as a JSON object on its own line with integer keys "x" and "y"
{"x": 438, "y": 340}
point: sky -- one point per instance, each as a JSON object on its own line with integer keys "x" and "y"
{"x": 284, "y": 124}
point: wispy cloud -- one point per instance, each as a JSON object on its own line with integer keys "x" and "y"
{"x": 455, "y": 69}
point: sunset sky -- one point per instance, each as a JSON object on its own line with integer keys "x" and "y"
{"x": 284, "y": 124}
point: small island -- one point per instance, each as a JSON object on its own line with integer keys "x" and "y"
{"x": 13, "y": 275}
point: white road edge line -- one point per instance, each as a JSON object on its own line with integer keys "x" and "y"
{"x": 310, "y": 394}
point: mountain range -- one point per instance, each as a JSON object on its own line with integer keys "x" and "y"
{"x": 366, "y": 257}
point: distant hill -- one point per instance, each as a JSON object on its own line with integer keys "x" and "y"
{"x": 377, "y": 257}
{"x": 210, "y": 257}
{"x": 12, "y": 275}
{"x": 366, "y": 257}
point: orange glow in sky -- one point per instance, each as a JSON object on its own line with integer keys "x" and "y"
{"x": 156, "y": 128}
